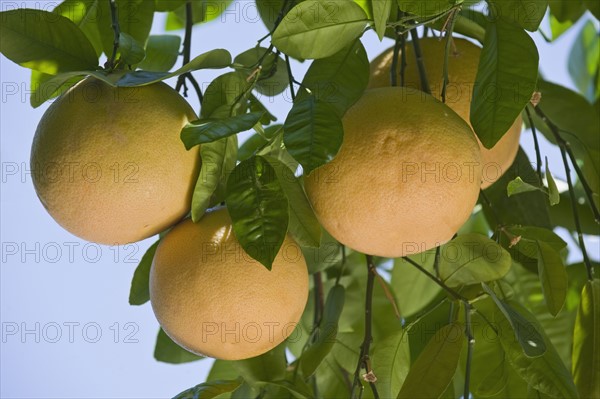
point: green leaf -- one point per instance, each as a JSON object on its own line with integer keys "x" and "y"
{"x": 168, "y": 351}
{"x": 42, "y": 91}
{"x": 528, "y": 209}
{"x": 529, "y": 338}
{"x": 256, "y": 141}
{"x": 553, "y": 277}
{"x": 413, "y": 289}
{"x": 210, "y": 389}
{"x": 472, "y": 259}
{"x": 214, "y": 59}
{"x": 325, "y": 333}
{"x": 518, "y": 186}
{"x": 594, "y": 7}
{"x": 586, "y": 341}
{"x": 381, "y": 14}
{"x": 319, "y": 28}
{"x": 268, "y": 11}
{"x": 312, "y": 133}
{"x": 268, "y": 367}
{"x": 45, "y": 41}
{"x": 528, "y": 14}
{"x": 506, "y": 78}
{"x": 329, "y": 254}
{"x": 223, "y": 96}
{"x": 566, "y": 10}
{"x": 162, "y": 52}
{"x": 132, "y": 52}
{"x": 258, "y": 208}
{"x": 202, "y": 11}
{"x": 584, "y": 59}
{"x": 218, "y": 160}
{"x": 135, "y": 18}
{"x": 272, "y": 79}
{"x": 168, "y": 5}
{"x": 432, "y": 371}
{"x": 303, "y": 224}
{"x": 338, "y": 80}
{"x": 546, "y": 373}
{"x": 527, "y": 237}
{"x": 84, "y": 13}
{"x": 562, "y": 215}
{"x": 553, "y": 192}
{"x": 391, "y": 362}
{"x": 209, "y": 130}
{"x": 140, "y": 284}
{"x": 425, "y": 8}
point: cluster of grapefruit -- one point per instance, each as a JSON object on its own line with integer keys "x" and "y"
{"x": 109, "y": 167}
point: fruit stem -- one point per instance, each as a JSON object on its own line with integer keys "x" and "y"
{"x": 565, "y": 149}
{"x": 187, "y": 48}
{"x": 290, "y": 77}
{"x": 318, "y": 281}
{"x": 538, "y": 154}
{"x": 363, "y": 359}
{"x": 399, "y": 49}
{"x": 110, "y": 64}
{"x": 449, "y": 25}
{"x": 470, "y": 344}
{"x": 420, "y": 63}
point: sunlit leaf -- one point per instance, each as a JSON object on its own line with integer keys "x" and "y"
{"x": 381, "y": 13}
{"x": 162, "y": 52}
{"x": 223, "y": 96}
{"x": 553, "y": 192}
{"x": 518, "y": 186}
{"x": 528, "y": 14}
{"x": 140, "y": 284}
{"x": 319, "y": 28}
{"x": 84, "y": 13}
{"x": 209, "y": 130}
{"x": 45, "y": 41}
{"x": 391, "y": 363}
{"x": 132, "y": 52}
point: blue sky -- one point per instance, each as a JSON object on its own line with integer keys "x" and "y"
{"x": 67, "y": 328}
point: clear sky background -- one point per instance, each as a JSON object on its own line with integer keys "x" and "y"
{"x": 67, "y": 329}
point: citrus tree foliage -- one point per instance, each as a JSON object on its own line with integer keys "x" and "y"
{"x": 495, "y": 312}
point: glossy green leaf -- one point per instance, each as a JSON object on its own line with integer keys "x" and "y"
{"x": 553, "y": 277}
{"x": 566, "y": 10}
{"x": 47, "y": 86}
{"x": 528, "y": 209}
{"x": 132, "y": 52}
{"x": 218, "y": 160}
{"x": 273, "y": 77}
{"x": 209, "y": 130}
{"x": 162, "y": 52}
{"x": 313, "y": 133}
{"x": 84, "y": 13}
{"x": 586, "y": 341}
{"x": 526, "y": 239}
{"x": 413, "y": 289}
{"x": 506, "y": 78}
{"x": 214, "y": 59}
{"x": 391, "y": 363}
{"x": 223, "y": 96}
{"x": 140, "y": 284}
{"x": 518, "y": 186}
{"x": 303, "y": 224}
{"x": 168, "y": 351}
{"x": 545, "y": 373}
{"x": 258, "y": 208}
{"x": 326, "y": 332}
{"x": 527, "y": 335}
{"x": 425, "y": 8}
{"x": 472, "y": 259}
{"x": 319, "y": 28}
{"x": 210, "y": 389}
{"x": 202, "y": 11}
{"x": 256, "y": 141}
{"x": 338, "y": 80}
{"x": 584, "y": 59}
{"x": 135, "y": 18}
{"x": 432, "y": 371}
{"x": 553, "y": 192}
{"x": 45, "y": 41}
{"x": 381, "y": 13}
{"x": 528, "y": 14}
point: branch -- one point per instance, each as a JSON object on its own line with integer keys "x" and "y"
{"x": 470, "y": 344}
{"x": 420, "y": 64}
{"x": 450, "y": 28}
{"x": 187, "y": 48}
{"x": 399, "y": 48}
{"x": 290, "y": 77}
{"x": 110, "y": 64}
{"x": 363, "y": 358}
{"x": 433, "y": 278}
{"x": 538, "y": 154}
{"x": 319, "y": 303}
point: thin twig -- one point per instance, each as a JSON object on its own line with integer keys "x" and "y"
{"x": 343, "y": 265}
{"x": 363, "y": 358}
{"x": 110, "y": 64}
{"x": 420, "y": 63}
{"x": 538, "y": 153}
{"x": 470, "y": 344}
{"x": 449, "y": 290}
{"x": 398, "y": 44}
{"x": 290, "y": 77}
{"x": 319, "y": 303}
{"x": 187, "y": 49}
{"x": 450, "y": 28}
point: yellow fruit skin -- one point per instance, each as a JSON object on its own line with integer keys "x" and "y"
{"x": 462, "y": 72}
{"x": 214, "y": 300}
{"x": 108, "y": 163}
{"x": 405, "y": 179}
